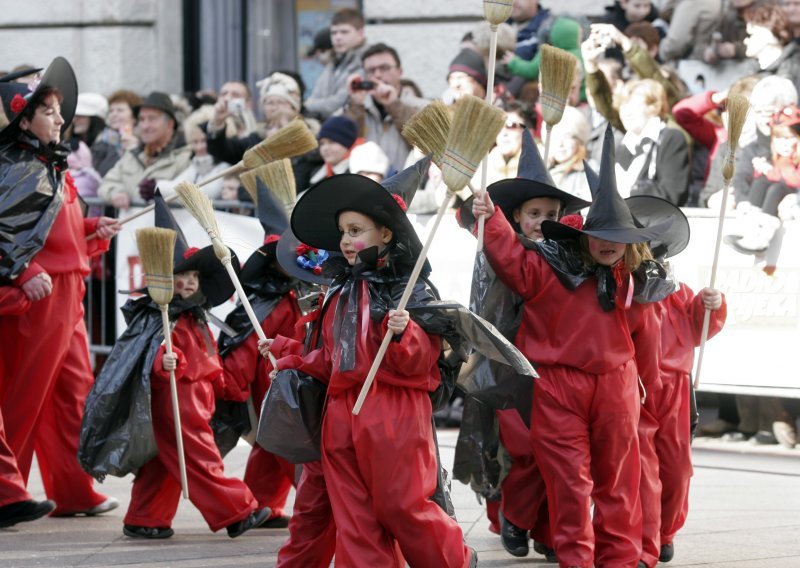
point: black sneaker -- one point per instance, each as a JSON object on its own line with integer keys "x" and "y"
{"x": 254, "y": 519}
{"x": 546, "y": 551}
{"x": 515, "y": 539}
{"x": 279, "y": 522}
{"x": 667, "y": 552}
{"x": 641, "y": 564}
{"x": 134, "y": 531}
{"x": 24, "y": 511}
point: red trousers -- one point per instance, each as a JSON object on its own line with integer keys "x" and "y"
{"x": 650, "y": 484}
{"x": 156, "y": 490}
{"x": 268, "y": 476}
{"x": 583, "y": 433}
{"x": 12, "y": 486}
{"x": 380, "y": 470}
{"x": 524, "y": 492}
{"x": 45, "y": 376}
{"x": 667, "y": 461}
{"x": 312, "y": 532}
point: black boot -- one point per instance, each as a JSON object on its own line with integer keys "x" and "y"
{"x": 548, "y": 553}
{"x": 667, "y": 552}
{"x": 254, "y": 519}
{"x": 515, "y": 539}
{"x": 24, "y": 511}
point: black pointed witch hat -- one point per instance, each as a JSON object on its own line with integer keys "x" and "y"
{"x": 315, "y": 216}
{"x": 272, "y": 216}
{"x": 215, "y": 283}
{"x": 609, "y": 217}
{"x": 532, "y": 181}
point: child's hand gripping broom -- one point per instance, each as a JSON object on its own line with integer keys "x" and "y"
{"x": 737, "y": 106}
{"x": 557, "y": 75}
{"x": 293, "y": 139}
{"x": 495, "y": 12}
{"x": 460, "y": 159}
{"x": 156, "y": 249}
{"x": 198, "y": 204}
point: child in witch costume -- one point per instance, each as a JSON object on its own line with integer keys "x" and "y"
{"x": 586, "y": 401}
{"x": 527, "y": 200}
{"x": 665, "y": 422}
{"x": 271, "y": 294}
{"x": 380, "y": 466}
{"x": 199, "y": 280}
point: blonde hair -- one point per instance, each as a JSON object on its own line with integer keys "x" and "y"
{"x": 633, "y": 257}
{"x": 654, "y": 95}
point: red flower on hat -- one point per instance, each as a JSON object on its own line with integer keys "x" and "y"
{"x": 271, "y": 239}
{"x": 574, "y": 221}
{"x": 18, "y": 103}
{"x": 191, "y": 251}
{"x": 400, "y": 202}
{"x": 303, "y": 249}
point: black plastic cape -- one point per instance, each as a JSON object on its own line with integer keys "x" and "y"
{"x": 31, "y": 196}
{"x": 231, "y": 418}
{"x": 117, "y": 429}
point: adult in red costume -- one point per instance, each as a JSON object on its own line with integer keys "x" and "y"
{"x": 45, "y": 254}
{"x": 586, "y": 401}
{"x": 380, "y": 466}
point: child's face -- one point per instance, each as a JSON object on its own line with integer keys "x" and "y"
{"x": 531, "y": 214}
{"x": 635, "y": 10}
{"x": 332, "y": 152}
{"x": 186, "y": 283}
{"x": 359, "y": 232}
{"x": 784, "y": 143}
{"x": 605, "y": 252}
{"x": 230, "y": 190}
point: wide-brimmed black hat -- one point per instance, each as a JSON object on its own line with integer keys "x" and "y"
{"x": 14, "y": 75}
{"x": 159, "y": 101}
{"x": 609, "y": 217}
{"x": 15, "y": 96}
{"x": 271, "y": 214}
{"x": 532, "y": 181}
{"x": 315, "y": 216}
{"x": 301, "y": 261}
{"x": 215, "y": 283}
{"x": 649, "y": 211}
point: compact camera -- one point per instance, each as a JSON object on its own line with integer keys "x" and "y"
{"x": 236, "y": 106}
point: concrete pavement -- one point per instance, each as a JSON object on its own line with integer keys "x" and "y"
{"x": 745, "y": 513}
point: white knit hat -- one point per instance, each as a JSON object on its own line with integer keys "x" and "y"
{"x": 92, "y": 104}
{"x": 280, "y": 85}
{"x": 369, "y": 157}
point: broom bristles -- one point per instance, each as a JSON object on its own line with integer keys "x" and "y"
{"x": 497, "y": 11}
{"x": 277, "y": 176}
{"x": 557, "y": 75}
{"x": 428, "y": 130}
{"x": 737, "y": 106}
{"x": 200, "y": 207}
{"x": 292, "y": 140}
{"x": 476, "y": 125}
{"x": 248, "y": 180}
{"x": 156, "y": 251}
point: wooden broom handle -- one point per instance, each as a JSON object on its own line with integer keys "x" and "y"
{"x": 232, "y": 170}
{"x": 248, "y": 308}
{"x": 412, "y": 280}
{"x": 489, "y": 93}
{"x": 707, "y": 316}
{"x": 173, "y": 389}
{"x": 547, "y": 130}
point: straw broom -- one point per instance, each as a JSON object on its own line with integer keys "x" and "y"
{"x": 737, "y": 113}
{"x": 200, "y": 207}
{"x": 495, "y": 12}
{"x": 428, "y": 130}
{"x": 460, "y": 160}
{"x": 292, "y": 140}
{"x": 278, "y": 176}
{"x": 156, "y": 249}
{"x": 557, "y": 75}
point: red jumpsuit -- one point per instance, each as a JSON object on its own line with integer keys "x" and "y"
{"x": 45, "y": 372}
{"x": 585, "y": 403}
{"x": 268, "y": 476}
{"x": 664, "y": 428}
{"x": 380, "y": 465}
{"x": 12, "y": 486}
{"x": 156, "y": 490}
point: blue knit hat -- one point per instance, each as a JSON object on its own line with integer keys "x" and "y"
{"x": 340, "y": 129}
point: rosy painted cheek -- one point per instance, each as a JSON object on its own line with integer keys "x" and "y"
{"x": 180, "y": 285}
{"x": 358, "y": 245}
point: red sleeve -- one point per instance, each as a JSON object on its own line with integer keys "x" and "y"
{"x": 33, "y": 269}
{"x": 239, "y": 369}
{"x": 286, "y": 346}
{"x": 689, "y": 113}
{"x": 95, "y": 246}
{"x": 697, "y": 312}
{"x": 415, "y": 352}
{"x": 13, "y": 301}
{"x": 516, "y": 266}
{"x": 158, "y": 364}
{"x": 645, "y": 328}
{"x": 316, "y": 363}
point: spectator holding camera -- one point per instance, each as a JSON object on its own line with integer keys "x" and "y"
{"x": 379, "y": 105}
{"x": 161, "y": 155}
{"x": 233, "y": 112}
